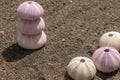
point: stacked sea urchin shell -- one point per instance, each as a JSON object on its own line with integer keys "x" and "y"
{"x": 31, "y": 25}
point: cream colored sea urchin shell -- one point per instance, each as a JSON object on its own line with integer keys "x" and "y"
{"x": 111, "y": 39}
{"x": 81, "y": 68}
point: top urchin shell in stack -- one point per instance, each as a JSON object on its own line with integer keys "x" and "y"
{"x": 30, "y": 10}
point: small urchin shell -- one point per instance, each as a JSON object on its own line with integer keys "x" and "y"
{"x": 30, "y": 10}
{"x": 31, "y": 27}
{"x": 31, "y": 42}
{"x": 110, "y": 39}
{"x": 106, "y": 59}
{"x": 81, "y": 68}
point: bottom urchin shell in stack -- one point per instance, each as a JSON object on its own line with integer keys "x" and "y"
{"x": 31, "y": 42}
{"x": 81, "y": 68}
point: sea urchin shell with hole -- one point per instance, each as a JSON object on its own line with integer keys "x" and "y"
{"x": 110, "y": 39}
{"x": 106, "y": 59}
{"x": 81, "y": 68}
{"x": 30, "y": 10}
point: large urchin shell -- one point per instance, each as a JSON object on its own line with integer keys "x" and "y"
{"x": 106, "y": 59}
{"x": 31, "y": 42}
{"x": 31, "y": 27}
{"x": 81, "y": 68}
{"x": 30, "y": 10}
{"x": 110, "y": 39}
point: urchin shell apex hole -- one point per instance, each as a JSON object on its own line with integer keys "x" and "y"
{"x": 110, "y": 35}
{"x": 30, "y": 2}
{"x": 82, "y": 60}
{"x": 106, "y": 50}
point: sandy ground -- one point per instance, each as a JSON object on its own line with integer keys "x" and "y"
{"x": 73, "y": 28}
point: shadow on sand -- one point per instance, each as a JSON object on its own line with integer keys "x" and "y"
{"x": 105, "y": 76}
{"x": 14, "y": 53}
{"x": 67, "y": 77}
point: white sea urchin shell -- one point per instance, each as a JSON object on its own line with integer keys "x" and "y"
{"x": 81, "y": 68}
{"x": 111, "y": 39}
{"x": 31, "y": 42}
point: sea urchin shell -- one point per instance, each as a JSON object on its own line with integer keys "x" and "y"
{"x": 31, "y": 27}
{"x": 81, "y": 68}
{"x": 30, "y": 10}
{"x": 110, "y": 39}
{"x": 106, "y": 59}
{"x": 32, "y": 42}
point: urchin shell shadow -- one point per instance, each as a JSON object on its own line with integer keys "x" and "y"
{"x": 67, "y": 77}
{"x": 41, "y": 78}
{"x": 105, "y": 76}
{"x": 14, "y": 53}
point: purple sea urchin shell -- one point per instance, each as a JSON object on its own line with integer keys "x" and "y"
{"x": 106, "y": 59}
{"x": 31, "y": 27}
{"x": 30, "y": 10}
